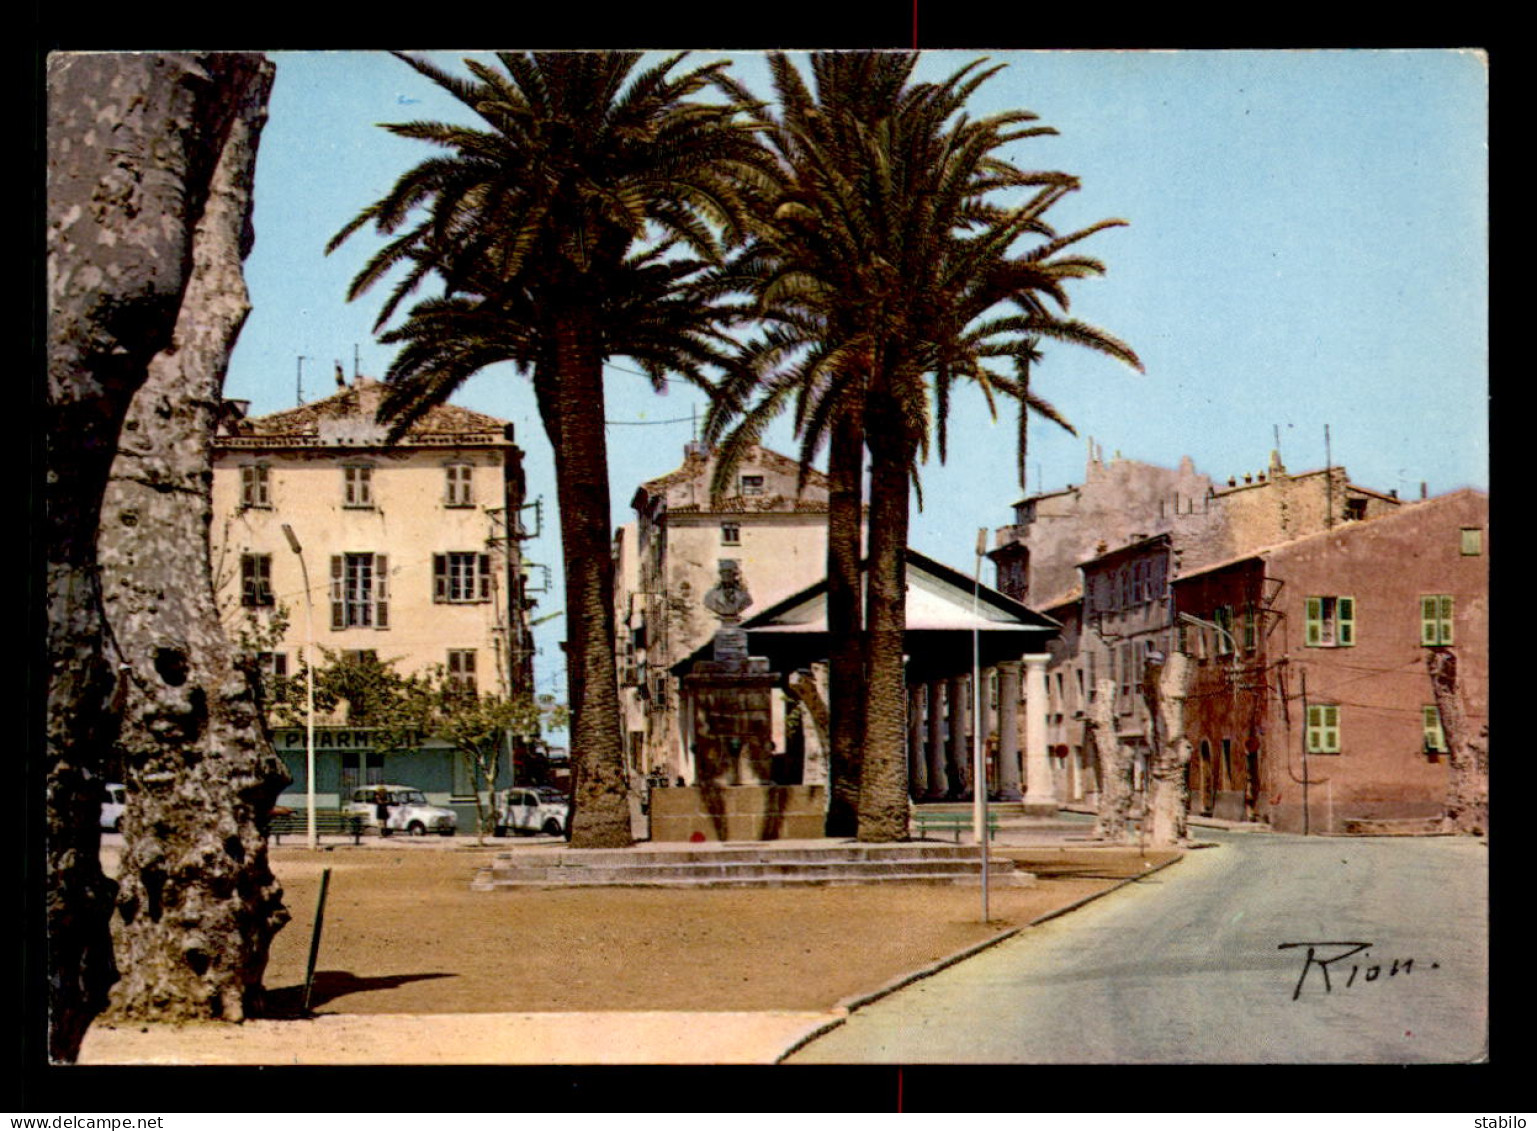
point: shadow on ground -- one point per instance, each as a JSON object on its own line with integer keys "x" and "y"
{"x": 287, "y": 1002}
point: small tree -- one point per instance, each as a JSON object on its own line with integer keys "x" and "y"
{"x": 479, "y": 726}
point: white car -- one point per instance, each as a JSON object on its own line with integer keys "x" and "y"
{"x": 532, "y": 809}
{"x": 409, "y": 810}
{"x": 112, "y": 809}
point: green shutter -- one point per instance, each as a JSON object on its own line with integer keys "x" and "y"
{"x": 1430, "y": 633}
{"x": 381, "y": 591}
{"x": 1446, "y": 620}
{"x": 338, "y": 592}
{"x": 1315, "y": 621}
{"x": 1435, "y": 737}
{"x": 1345, "y": 622}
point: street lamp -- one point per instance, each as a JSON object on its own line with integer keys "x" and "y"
{"x": 309, "y": 686}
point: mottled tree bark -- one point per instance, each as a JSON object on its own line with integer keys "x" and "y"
{"x": 132, "y": 144}
{"x": 601, "y": 817}
{"x": 1114, "y": 764}
{"x": 197, "y": 903}
{"x": 883, "y": 801}
{"x": 846, "y": 646}
{"x": 1467, "y": 787}
{"x": 1166, "y": 688}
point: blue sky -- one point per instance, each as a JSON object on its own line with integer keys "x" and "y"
{"x": 1307, "y": 245}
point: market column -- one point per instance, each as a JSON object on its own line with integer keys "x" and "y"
{"x": 936, "y": 743}
{"x": 1040, "y": 794}
{"x": 1008, "y": 731}
{"x": 917, "y": 766}
{"x": 959, "y": 760}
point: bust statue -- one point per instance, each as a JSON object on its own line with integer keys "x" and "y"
{"x": 729, "y": 596}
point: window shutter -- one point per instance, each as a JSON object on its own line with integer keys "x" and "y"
{"x": 483, "y": 578}
{"x": 247, "y": 579}
{"x": 338, "y": 592}
{"x": 1345, "y": 614}
{"x": 1315, "y": 621}
{"x": 439, "y": 578}
{"x": 1435, "y": 737}
{"x": 1429, "y": 630}
{"x": 1331, "y": 731}
{"x": 381, "y": 591}
{"x": 1446, "y": 620}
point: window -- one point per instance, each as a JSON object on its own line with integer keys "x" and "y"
{"x": 1323, "y": 728}
{"x": 372, "y": 770}
{"x": 1250, "y": 628}
{"x": 1331, "y": 622}
{"x": 1222, "y": 617}
{"x": 730, "y": 534}
{"x": 1435, "y": 736}
{"x": 1472, "y": 541}
{"x": 1355, "y": 510}
{"x": 256, "y": 581}
{"x": 1435, "y": 620}
{"x": 255, "y": 486}
{"x": 359, "y": 591}
{"x": 358, "y": 486}
{"x": 461, "y": 577}
{"x": 459, "y": 485}
{"x": 360, "y": 656}
{"x": 461, "y": 669}
{"x": 752, "y": 484}
{"x": 272, "y": 663}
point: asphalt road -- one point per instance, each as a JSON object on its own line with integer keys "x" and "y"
{"x": 1188, "y": 966}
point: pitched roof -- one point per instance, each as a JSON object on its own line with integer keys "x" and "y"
{"x": 356, "y": 406}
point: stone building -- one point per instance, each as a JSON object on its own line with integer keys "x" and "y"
{"x": 1311, "y": 706}
{"x": 769, "y": 522}
{"x": 410, "y": 551}
{"x": 1098, "y": 558}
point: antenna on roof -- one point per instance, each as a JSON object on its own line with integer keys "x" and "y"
{"x": 299, "y": 381}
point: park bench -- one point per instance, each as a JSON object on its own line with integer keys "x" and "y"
{"x": 331, "y": 822}
{"x": 956, "y": 823}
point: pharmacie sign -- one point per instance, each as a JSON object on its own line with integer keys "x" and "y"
{"x": 331, "y": 738}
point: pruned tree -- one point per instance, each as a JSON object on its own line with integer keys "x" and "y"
{"x": 135, "y": 146}
{"x": 1467, "y": 787}
{"x": 1165, "y": 689}
{"x": 1113, "y": 821}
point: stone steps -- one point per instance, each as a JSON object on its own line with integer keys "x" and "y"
{"x": 766, "y": 866}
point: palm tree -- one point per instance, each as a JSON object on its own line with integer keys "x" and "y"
{"x": 534, "y": 222}
{"x": 884, "y": 259}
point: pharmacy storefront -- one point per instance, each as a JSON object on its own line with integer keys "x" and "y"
{"x": 348, "y": 757}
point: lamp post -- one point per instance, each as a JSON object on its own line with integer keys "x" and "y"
{"x": 309, "y": 687}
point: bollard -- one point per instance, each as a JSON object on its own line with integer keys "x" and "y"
{"x": 320, "y": 918}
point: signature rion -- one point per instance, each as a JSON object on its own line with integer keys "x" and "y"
{"x": 1320, "y": 958}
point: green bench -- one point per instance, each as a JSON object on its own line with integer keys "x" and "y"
{"x": 332, "y": 822}
{"x": 956, "y": 823}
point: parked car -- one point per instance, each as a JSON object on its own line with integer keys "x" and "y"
{"x": 409, "y": 810}
{"x": 526, "y": 810}
{"x": 112, "y": 809}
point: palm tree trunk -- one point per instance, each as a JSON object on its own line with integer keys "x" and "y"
{"x": 1467, "y": 792}
{"x": 883, "y": 800}
{"x": 846, "y": 658}
{"x": 601, "y": 817}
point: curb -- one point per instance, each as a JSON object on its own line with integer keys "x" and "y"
{"x": 849, "y": 1005}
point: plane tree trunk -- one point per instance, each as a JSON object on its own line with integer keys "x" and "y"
{"x": 132, "y": 142}
{"x": 1467, "y": 790}
{"x": 1114, "y": 759}
{"x": 197, "y": 902}
{"x": 1166, "y": 689}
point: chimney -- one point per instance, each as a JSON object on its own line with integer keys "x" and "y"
{"x": 1424, "y": 490}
